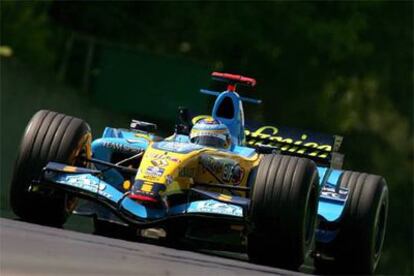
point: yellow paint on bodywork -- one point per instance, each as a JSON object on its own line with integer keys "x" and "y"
{"x": 126, "y": 185}
{"x": 184, "y": 169}
{"x": 174, "y": 163}
{"x": 224, "y": 197}
{"x": 69, "y": 169}
{"x": 200, "y": 117}
{"x": 144, "y": 136}
{"x": 147, "y": 187}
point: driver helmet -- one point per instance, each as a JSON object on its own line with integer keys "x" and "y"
{"x": 211, "y": 133}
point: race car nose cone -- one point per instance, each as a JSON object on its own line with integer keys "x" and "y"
{"x": 142, "y": 197}
{"x": 145, "y": 191}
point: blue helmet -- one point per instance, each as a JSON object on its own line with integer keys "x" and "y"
{"x": 211, "y": 133}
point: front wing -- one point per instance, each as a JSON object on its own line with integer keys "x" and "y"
{"x": 87, "y": 183}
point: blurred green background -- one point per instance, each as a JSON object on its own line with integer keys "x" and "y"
{"x": 336, "y": 67}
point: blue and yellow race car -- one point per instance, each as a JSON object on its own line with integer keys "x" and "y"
{"x": 280, "y": 191}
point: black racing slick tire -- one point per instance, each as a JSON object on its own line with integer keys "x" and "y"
{"x": 358, "y": 246}
{"x": 49, "y": 136}
{"x": 283, "y": 211}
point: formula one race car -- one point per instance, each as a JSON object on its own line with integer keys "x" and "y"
{"x": 280, "y": 190}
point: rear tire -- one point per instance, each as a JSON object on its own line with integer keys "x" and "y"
{"x": 49, "y": 136}
{"x": 357, "y": 248}
{"x": 283, "y": 211}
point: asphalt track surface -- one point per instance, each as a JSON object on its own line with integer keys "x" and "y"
{"x": 29, "y": 249}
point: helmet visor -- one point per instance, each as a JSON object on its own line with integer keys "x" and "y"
{"x": 209, "y": 141}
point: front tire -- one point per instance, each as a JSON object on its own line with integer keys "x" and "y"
{"x": 49, "y": 136}
{"x": 283, "y": 211}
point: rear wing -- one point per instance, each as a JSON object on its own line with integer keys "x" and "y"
{"x": 322, "y": 148}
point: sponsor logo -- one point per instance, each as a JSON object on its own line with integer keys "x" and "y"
{"x": 164, "y": 156}
{"x": 267, "y": 135}
{"x": 214, "y": 207}
{"x": 154, "y": 171}
{"x": 87, "y": 182}
{"x": 226, "y": 170}
{"x": 120, "y": 147}
{"x": 177, "y": 147}
{"x": 159, "y": 162}
{"x": 147, "y": 188}
{"x": 335, "y": 194}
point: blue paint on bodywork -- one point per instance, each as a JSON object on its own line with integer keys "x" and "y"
{"x": 332, "y": 199}
{"x": 181, "y": 138}
{"x": 330, "y": 210}
{"x": 243, "y": 151}
{"x": 209, "y": 206}
{"x": 322, "y": 174}
{"x": 124, "y": 144}
{"x": 235, "y": 124}
{"x": 141, "y": 211}
{"x": 95, "y": 187}
{"x": 110, "y": 132}
{"x": 87, "y": 183}
{"x": 334, "y": 176}
{"x": 103, "y": 148}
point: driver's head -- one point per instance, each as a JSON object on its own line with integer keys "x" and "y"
{"x": 211, "y": 133}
